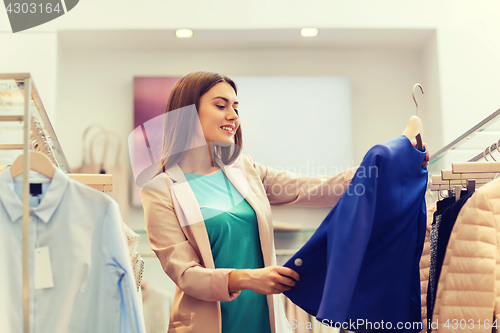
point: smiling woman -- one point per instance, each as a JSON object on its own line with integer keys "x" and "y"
{"x": 208, "y": 214}
{"x": 218, "y": 114}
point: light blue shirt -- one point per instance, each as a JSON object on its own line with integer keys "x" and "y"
{"x": 94, "y": 287}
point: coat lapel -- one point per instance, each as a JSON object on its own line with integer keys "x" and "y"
{"x": 191, "y": 219}
{"x": 236, "y": 174}
{"x": 194, "y": 224}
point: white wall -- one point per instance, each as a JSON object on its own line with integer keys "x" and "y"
{"x": 96, "y": 86}
{"x": 291, "y": 122}
{"x": 35, "y": 53}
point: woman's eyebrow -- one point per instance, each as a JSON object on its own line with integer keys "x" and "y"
{"x": 225, "y": 99}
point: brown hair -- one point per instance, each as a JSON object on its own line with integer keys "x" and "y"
{"x": 177, "y": 131}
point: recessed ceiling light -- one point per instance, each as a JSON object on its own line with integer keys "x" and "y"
{"x": 184, "y": 33}
{"x": 309, "y": 32}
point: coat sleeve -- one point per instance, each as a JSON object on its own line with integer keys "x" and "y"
{"x": 177, "y": 256}
{"x": 284, "y": 188}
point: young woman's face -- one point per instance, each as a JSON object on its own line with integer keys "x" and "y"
{"x": 218, "y": 112}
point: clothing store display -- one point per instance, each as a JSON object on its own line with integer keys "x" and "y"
{"x": 178, "y": 235}
{"x": 469, "y": 284}
{"x": 363, "y": 260}
{"x": 234, "y": 240}
{"x": 80, "y": 230}
{"x": 445, "y": 217}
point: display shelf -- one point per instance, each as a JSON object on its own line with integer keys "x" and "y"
{"x": 103, "y": 183}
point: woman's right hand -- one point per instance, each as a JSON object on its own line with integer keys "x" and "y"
{"x": 267, "y": 280}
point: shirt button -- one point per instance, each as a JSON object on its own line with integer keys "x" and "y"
{"x": 298, "y": 262}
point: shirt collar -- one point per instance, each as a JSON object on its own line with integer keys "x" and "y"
{"x": 44, "y": 211}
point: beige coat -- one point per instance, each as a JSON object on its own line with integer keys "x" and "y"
{"x": 178, "y": 235}
{"x": 468, "y": 293}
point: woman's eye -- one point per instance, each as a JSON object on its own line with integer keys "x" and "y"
{"x": 221, "y": 107}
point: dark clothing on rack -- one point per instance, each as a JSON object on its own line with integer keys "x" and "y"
{"x": 431, "y": 287}
{"x": 362, "y": 263}
{"x": 449, "y": 211}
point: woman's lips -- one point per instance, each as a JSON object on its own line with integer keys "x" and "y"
{"x": 228, "y": 129}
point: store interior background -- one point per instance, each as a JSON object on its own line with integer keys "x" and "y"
{"x": 84, "y": 62}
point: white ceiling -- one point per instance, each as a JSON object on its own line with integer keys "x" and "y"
{"x": 164, "y": 40}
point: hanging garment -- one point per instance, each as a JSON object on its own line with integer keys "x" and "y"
{"x": 94, "y": 289}
{"x": 445, "y": 217}
{"x": 433, "y": 243}
{"x": 135, "y": 258}
{"x": 424, "y": 265}
{"x": 468, "y": 292}
{"x": 362, "y": 262}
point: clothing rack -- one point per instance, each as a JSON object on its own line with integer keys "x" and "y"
{"x": 495, "y": 116}
{"x": 467, "y": 175}
{"x": 35, "y": 138}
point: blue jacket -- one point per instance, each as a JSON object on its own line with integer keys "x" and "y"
{"x": 361, "y": 266}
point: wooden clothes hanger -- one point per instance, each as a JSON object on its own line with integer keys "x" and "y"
{"x": 415, "y": 127}
{"x": 38, "y": 162}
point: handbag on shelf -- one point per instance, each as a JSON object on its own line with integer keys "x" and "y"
{"x": 119, "y": 172}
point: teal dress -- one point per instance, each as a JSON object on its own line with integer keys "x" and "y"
{"x": 234, "y": 238}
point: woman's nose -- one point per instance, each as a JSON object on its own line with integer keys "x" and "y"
{"x": 232, "y": 114}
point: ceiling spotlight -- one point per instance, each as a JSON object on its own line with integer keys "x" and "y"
{"x": 309, "y": 32}
{"x": 183, "y": 33}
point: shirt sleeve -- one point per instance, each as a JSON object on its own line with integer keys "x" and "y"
{"x": 119, "y": 265}
{"x": 284, "y": 188}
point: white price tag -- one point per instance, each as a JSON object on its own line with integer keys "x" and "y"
{"x": 43, "y": 269}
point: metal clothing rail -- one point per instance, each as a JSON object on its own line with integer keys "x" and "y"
{"x": 481, "y": 125}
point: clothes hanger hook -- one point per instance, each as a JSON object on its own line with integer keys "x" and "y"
{"x": 491, "y": 153}
{"x": 484, "y": 153}
{"x": 413, "y": 94}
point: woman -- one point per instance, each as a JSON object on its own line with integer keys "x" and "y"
{"x": 208, "y": 214}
